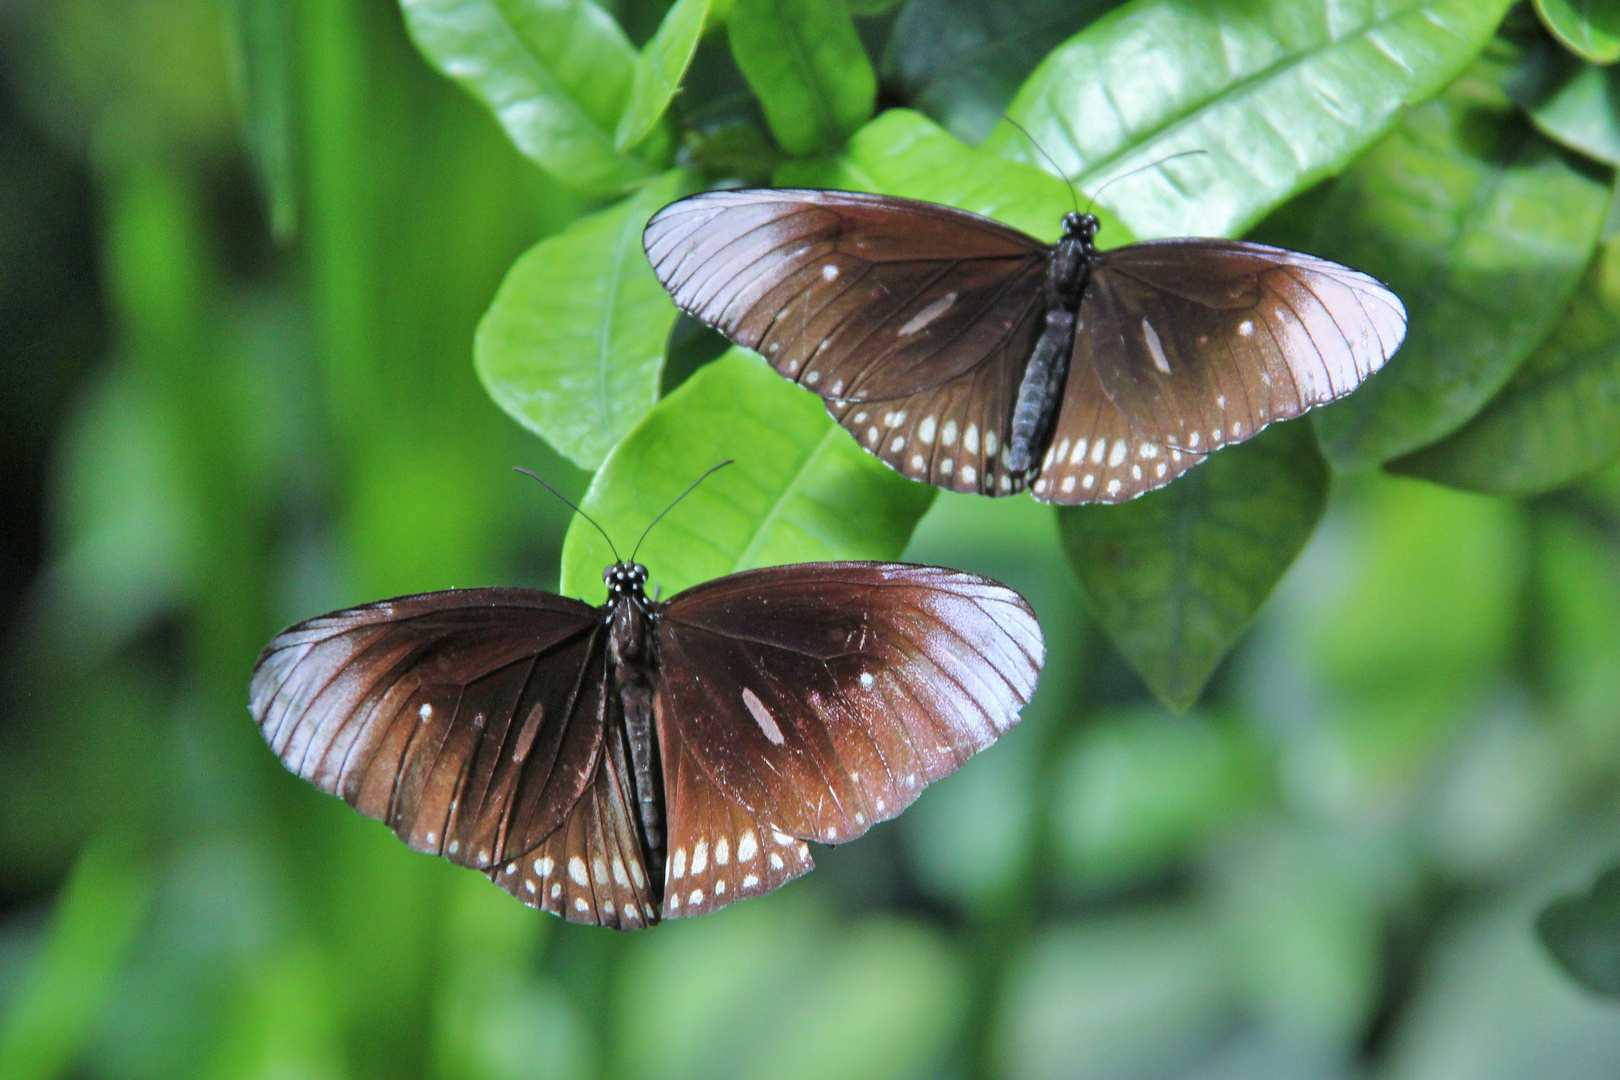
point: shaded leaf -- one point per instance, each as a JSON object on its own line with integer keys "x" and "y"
{"x": 801, "y": 489}
{"x": 808, "y": 67}
{"x": 1588, "y": 28}
{"x": 904, "y": 153}
{"x": 961, "y": 61}
{"x": 659, "y": 70}
{"x": 1175, "y": 576}
{"x": 1583, "y": 934}
{"x": 1559, "y": 417}
{"x": 1584, "y": 114}
{"x": 1483, "y": 229}
{"x": 1278, "y": 94}
{"x": 556, "y": 75}
{"x": 573, "y": 346}
{"x": 264, "y": 33}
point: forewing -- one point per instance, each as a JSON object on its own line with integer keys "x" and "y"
{"x": 952, "y": 435}
{"x": 1204, "y": 342}
{"x": 859, "y": 297}
{"x": 823, "y": 697}
{"x": 469, "y": 721}
{"x": 1096, "y": 455}
{"x": 592, "y": 868}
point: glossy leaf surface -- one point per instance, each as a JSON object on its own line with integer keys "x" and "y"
{"x": 801, "y": 490}
{"x": 660, "y": 69}
{"x": 1483, "y": 229}
{"x": 1588, "y": 28}
{"x": 1278, "y": 94}
{"x": 573, "y": 346}
{"x": 1176, "y": 576}
{"x": 265, "y": 34}
{"x": 808, "y": 67}
{"x": 1584, "y": 115}
{"x": 1559, "y": 417}
{"x": 1583, "y": 932}
{"x": 556, "y": 75}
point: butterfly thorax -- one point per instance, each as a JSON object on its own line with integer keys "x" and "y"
{"x": 1040, "y": 393}
{"x": 632, "y": 649}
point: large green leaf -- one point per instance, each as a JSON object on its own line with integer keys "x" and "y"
{"x": 659, "y": 70}
{"x": 961, "y": 61}
{"x": 1483, "y": 229}
{"x": 808, "y": 67}
{"x": 573, "y": 346}
{"x": 557, "y": 73}
{"x": 801, "y": 489}
{"x": 1588, "y": 28}
{"x": 901, "y": 152}
{"x": 1583, "y": 932}
{"x": 1175, "y": 576}
{"x": 1277, "y": 93}
{"x": 1584, "y": 114}
{"x": 1559, "y": 417}
{"x": 265, "y": 34}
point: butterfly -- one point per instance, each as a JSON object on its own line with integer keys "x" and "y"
{"x": 974, "y": 357}
{"x": 642, "y": 760}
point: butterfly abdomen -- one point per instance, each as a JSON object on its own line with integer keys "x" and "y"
{"x": 1040, "y": 391}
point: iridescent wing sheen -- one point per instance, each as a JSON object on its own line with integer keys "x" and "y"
{"x": 818, "y": 699}
{"x": 1200, "y": 342}
{"x": 856, "y": 297}
{"x": 470, "y": 722}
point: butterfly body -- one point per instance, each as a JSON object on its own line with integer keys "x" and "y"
{"x": 624, "y": 763}
{"x": 973, "y": 357}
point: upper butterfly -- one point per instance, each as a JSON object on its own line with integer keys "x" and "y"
{"x": 640, "y": 760}
{"x": 974, "y": 357}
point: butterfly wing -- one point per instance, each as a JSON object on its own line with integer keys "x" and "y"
{"x": 469, "y": 721}
{"x": 812, "y": 701}
{"x": 1204, "y": 342}
{"x": 951, "y": 435}
{"x": 858, "y": 297}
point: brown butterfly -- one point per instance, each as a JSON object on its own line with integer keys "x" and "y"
{"x": 976, "y": 358}
{"x": 642, "y": 760}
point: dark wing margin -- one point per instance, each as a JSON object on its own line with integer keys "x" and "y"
{"x": 855, "y": 297}
{"x": 821, "y": 698}
{"x": 469, "y": 721}
{"x": 1201, "y": 343}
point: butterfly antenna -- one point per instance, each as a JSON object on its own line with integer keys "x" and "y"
{"x": 1141, "y": 168}
{"x": 711, "y": 470}
{"x": 568, "y": 503}
{"x": 1041, "y": 150}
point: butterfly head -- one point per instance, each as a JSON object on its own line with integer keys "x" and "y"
{"x": 1081, "y": 227}
{"x": 625, "y": 579}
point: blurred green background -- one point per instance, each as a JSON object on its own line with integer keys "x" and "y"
{"x": 237, "y": 389}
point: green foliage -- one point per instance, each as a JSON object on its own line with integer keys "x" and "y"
{"x": 1582, "y": 114}
{"x": 808, "y": 67}
{"x": 573, "y": 346}
{"x": 659, "y": 70}
{"x": 265, "y": 35}
{"x": 1176, "y": 575}
{"x": 1277, "y": 95}
{"x": 1583, "y": 932}
{"x": 1589, "y": 28}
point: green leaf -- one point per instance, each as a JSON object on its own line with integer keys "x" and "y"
{"x": 901, "y": 152}
{"x": 808, "y": 67}
{"x": 264, "y": 34}
{"x": 55, "y": 1008}
{"x": 1277, "y": 93}
{"x": 801, "y": 489}
{"x": 1583, "y": 934}
{"x": 961, "y": 61}
{"x": 1559, "y": 417}
{"x": 556, "y": 73}
{"x": 1584, "y": 114}
{"x": 1483, "y": 229}
{"x": 573, "y": 346}
{"x": 1175, "y": 576}
{"x": 659, "y": 70}
{"x": 1588, "y": 28}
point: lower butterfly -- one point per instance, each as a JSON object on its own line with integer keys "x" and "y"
{"x": 641, "y": 760}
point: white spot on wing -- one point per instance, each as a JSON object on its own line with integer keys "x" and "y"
{"x": 925, "y": 430}
{"x": 1116, "y": 457}
{"x": 829, "y": 272}
{"x": 866, "y": 680}
{"x": 576, "y": 870}
{"x": 747, "y": 847}
{"x": 928, "y": 315}
{"x": 722, "y": 851}
{"x": 1151, "y": 336}
{"x": 677, "y": 866}
{"x": 763, "y": 718}
{"x": 947, "y": 436}
{"x": 700, "y": 857}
